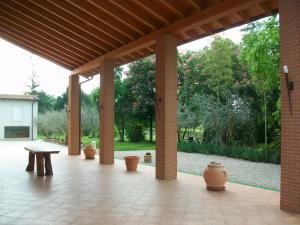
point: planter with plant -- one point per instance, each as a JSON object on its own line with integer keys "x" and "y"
{"x": 89, "y": 152}
{"x": 148, "y": 157}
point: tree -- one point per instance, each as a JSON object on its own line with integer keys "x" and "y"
{"x": 89, "y": 121}
{"x": 33, "y": 80}
{"x": 61, "y": 102}
{"x": 46, "y": 102}
{"x": 141, "y": 81}
{"x": 217, "y": 66}
{"x": 260, "y": 54}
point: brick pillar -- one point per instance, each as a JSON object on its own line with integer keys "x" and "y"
{"x": 166, "y": 112}
{"x": 74, "y": 116}
{"x": 107, "y": 112}
{"x": 290, "y": 121}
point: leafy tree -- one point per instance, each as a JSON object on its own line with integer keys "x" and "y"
{"x": 260, "y": 54}
{"x": 53, "y": 124}
{"x": 46, "y": 102}
{"x": 89, "y": 121}
{"x": 217, "y": 62}
{"x": 33, "y": 80}
{"x": 141, "y": 81}
{"x": 61, "y": 101}
{"x": 94, "y": 98}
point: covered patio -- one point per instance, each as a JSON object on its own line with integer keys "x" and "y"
{"x": 84, "y": 193}
{"x": 92, "y": 37}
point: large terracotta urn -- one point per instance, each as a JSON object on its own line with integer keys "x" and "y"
{"x": 215, "y": 176}
{"x": 89, "y": 152}
{"x": 131, "y": 162}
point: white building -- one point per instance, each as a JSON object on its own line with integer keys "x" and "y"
{"x": 18, "y": 117}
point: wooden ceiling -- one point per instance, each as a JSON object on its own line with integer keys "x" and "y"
{"x": 78, "y": 34}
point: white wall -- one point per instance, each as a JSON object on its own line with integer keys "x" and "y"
{"x": 18, "y": 113}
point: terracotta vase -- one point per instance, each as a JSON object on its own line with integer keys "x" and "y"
{"x": 215, "y": 176}
{"x": 147, "y": 158}
{"x": 131, "y": 162}
{"x": 89, "y": 152}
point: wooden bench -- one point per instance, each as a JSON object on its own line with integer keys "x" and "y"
{"x": 41, "y": 153}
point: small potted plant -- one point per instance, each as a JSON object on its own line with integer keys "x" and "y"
{"x": 89, "y": 152}
{"x": 131, "y": 162}
{"x": 148, "y": 157}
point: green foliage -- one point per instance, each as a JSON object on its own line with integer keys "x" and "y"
{"x": 61, "y": 101}
{"x": 140, "y": 82}
{"x": 89, "y": 121}
{"x": 53, "y": 123}
{"x": 46, "y": 102}
{"x": 233, "y": 151}
{"x": 260, "y": 54}
{"x": 217, "y": 66}
{"x": 135, "y": 132}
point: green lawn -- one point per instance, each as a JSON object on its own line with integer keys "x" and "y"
{"x": 119, "y": 146}
{"x": 123, "y": 146}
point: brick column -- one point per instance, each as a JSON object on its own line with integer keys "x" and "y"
{"x": 290, "y": 121}
{"x": 107, "y": 112}
{"x": 166, "y": 112}
{"x": 74, "y": 116}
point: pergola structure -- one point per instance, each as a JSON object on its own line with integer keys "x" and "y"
{"x": 88, "y": 37}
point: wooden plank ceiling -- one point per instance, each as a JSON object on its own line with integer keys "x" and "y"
{"x": 78, "y": 34}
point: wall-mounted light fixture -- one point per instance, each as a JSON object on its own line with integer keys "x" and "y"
{"x": 289, "y": 84}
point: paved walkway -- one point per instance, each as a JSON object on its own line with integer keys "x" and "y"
{"x": 83, "y": 192}
{"x": 257, "y": 174}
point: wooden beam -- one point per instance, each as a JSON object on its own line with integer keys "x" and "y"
{"x": 119, "y": 14}
{"x": 19, "y": 26}
{"x": 171, "y": 6}
{"x": 94, "y": 21}
{"x": 111, "y": 22}
{"x": 136, "y": 13}
{"x": 65, "y": 18}
{"x": 27, "y": 45}
{"x": 212, "y": 13}
{"x": 47, "y": 24}
{"x": 154, "y": 10}
{"x": 39, "y": 43}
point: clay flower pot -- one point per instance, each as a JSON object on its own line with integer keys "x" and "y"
{"x": 89, "y": 152}
{"x": 215, "y": 176}
{"x": 131, "y": 162}
{"x": 148, "y": 158}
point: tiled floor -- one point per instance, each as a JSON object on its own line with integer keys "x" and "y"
{"x": 84, "y": 192}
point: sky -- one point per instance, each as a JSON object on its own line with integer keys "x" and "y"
{"x": 16, "y": 67}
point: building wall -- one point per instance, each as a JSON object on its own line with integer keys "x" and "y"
{"x": 18, "y": 113}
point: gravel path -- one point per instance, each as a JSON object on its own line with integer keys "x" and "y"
{"x": 257, "y": 174}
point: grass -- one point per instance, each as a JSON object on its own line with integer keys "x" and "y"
{"x": 119, "y": 146}
{"x": 123, "y": 146}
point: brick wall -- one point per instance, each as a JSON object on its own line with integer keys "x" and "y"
{"x": 107, "y": 112}
{"x": 74, "y": 116}
{"x": 166, "y": 113}
{"x": 290, "y": 121}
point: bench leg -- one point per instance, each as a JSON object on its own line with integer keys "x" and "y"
{"x": 30, "y": 166}
{"x": 48, "y": 165}
{"x": 40, "y": 164}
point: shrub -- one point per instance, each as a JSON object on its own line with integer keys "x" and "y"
{"x": 53, "y": 123}
{"x": 135, "y": 132}
{"x": 271, "y": 155}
